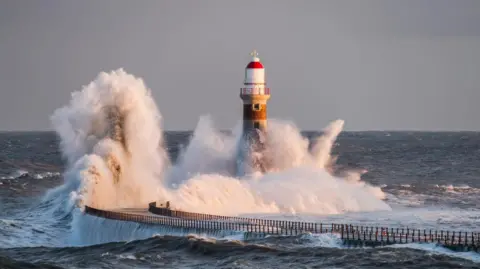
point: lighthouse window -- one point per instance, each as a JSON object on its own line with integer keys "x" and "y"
{"x": 256, "y": 125}
{"x": 256, "y": 107}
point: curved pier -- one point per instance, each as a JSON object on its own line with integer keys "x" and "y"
{"x": 253, "y": 228}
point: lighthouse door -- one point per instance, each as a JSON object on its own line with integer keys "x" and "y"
{"x": 256, "y": 125}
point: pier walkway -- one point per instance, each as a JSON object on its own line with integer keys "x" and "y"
{"x": 351, "y": 235}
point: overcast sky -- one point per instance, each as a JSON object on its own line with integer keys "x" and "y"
{"x": 379, "y": 65}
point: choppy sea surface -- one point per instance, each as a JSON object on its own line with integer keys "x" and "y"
{"x": 431, "y": 180}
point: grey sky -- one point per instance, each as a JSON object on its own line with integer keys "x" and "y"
{"x": 410, "y": 64}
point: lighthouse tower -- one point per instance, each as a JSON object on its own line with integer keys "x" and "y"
{"x": 254, "y": 95}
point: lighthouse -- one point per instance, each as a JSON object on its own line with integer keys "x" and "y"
{"x": 254, "y": 95}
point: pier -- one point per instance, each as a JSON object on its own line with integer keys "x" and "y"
{"x": 350, "y": 235}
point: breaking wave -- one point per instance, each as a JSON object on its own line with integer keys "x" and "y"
{"x": 112, "y": 140}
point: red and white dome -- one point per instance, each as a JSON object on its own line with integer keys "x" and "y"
{"x": 255, "y": 72}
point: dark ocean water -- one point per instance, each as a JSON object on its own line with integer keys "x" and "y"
{"x": 431, "y": 180}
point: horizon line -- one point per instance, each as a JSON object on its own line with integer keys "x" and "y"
{"x": 301, "y": 130}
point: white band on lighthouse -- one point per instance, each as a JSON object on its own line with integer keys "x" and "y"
{"x": 254, "y": 76}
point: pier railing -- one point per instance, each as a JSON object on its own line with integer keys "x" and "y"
{"x": 350, "y": 234}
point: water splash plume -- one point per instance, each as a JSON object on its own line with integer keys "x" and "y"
{"x": 112, "y": 140}
{"x": 297, "y": 181}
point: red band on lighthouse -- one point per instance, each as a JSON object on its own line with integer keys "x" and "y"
{"x": 253, "y": 65}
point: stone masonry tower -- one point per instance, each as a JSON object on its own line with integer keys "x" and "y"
{"x": 254, "y": 95}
